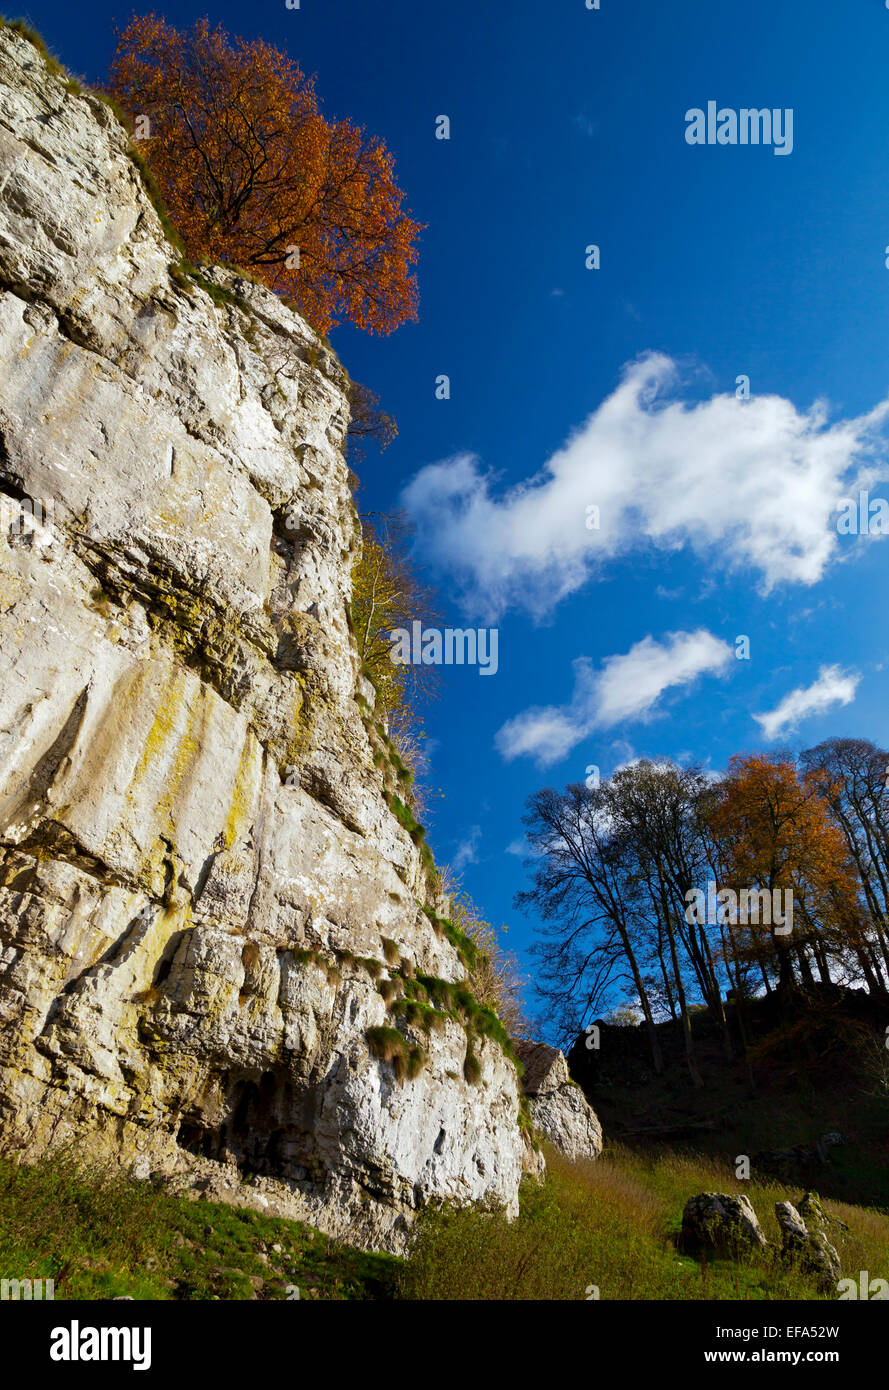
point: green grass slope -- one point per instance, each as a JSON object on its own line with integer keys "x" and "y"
{"x": 610, "y": 1226}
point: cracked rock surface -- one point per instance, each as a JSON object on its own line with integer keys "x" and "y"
{"x": 198, "y": 864}
{"x": 559, "y": 1109}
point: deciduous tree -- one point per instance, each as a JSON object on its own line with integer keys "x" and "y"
{"x": 253, "y": 174}
{"x": 777, "y": 833}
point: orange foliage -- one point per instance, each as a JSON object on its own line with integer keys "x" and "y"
{"x": 780, "y": 824}
{"x": 776, "y": 831}
{"x": 250, "y": 171}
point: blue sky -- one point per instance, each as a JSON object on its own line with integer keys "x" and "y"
{"x": 568, "y": 129}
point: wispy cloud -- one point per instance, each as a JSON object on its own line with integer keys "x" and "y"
{"x": 522, "y": 850}
{"x": 467, "y": 850}
{"x": 748, "y": 485}
{"x": 833, "y": 687}
{"x": 586, "y": 125}
{"x": 627, "y": 687}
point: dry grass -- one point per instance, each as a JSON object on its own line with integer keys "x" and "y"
{"x": 613, "y": 1225}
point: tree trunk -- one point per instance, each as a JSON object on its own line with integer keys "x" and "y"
{"x": 680, "y": 991}
{"x": 650, "y": 1025}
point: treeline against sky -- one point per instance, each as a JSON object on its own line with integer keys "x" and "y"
{"x": 677, "y": 889}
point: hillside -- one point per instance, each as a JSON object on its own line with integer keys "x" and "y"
{"x": 823, "y": 1070}
{"x": 612, "y": 1225}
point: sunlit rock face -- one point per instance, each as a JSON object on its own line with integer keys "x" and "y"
{"x": 202, "y": 885}
{"x": 558, "y": 1107}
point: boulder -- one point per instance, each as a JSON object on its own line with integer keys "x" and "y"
{"x": 559, "y": 1108}
{"x": 832, "y": 1140}
{"x": 810, "y": 1209}
{"x": 810, "y": 1249}
{"x": 721, "y": 1221}
{"x": 790, "y": 1163}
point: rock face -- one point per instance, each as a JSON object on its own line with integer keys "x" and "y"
{"x": 809, "y": 1248}
{"x": 559, "y": 1109}
{"x": 202, "y": 885}
{"x": 721, "y": 1221}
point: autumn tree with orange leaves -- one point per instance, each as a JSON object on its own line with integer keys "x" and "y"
{"x": 775, "y": 831}
{"x": 254, "y": 175}
{"x": 659, "y": 880}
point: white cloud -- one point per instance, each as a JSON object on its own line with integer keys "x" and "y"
{"x": 467, "y": 850}
{"x": 630, "y": 685}
{"x": 623, "y": 752}
{"x": 626, "y": 687}
{"x": 743, "y": 484}
{"x": 833, "y": 687}
{"x": 586, "y": 124}
{"x": 522, "y": 850}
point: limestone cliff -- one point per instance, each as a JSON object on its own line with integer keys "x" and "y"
{"x": 203, "y": 889}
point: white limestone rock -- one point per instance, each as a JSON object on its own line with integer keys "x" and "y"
{"x": 721, "y": 1221}
{"x": 199, "y": 870}
{"x": 559, "y": 1109}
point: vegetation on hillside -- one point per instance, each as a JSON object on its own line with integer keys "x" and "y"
{"x": 388, "y": 592}
{"x": 495, "y": 976}
{"x": 612, "y": 1226}
{"x": 100, "y": 1234}
{"x": 814, "y": 1066}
